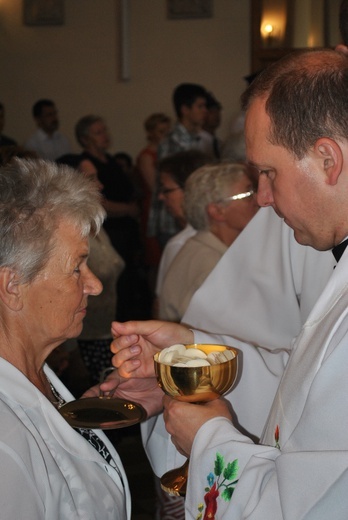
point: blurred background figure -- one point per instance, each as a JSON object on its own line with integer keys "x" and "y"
{"x": 122, "y": 222}
{"x": 119, "y": 198}
{"x": 189, "y": 100}
{"x": 211, "y": 143}
{"x": 233, "y": 147}
{"x": 157, "y": 127}
{"x": 47, "y": 141}
{"x": 125, "y": 160}
{"x": 219, "y": 202}
{"x": 173, "y": 173}
{"x": 4, "y": 139}
{"x": 190, "y": 105}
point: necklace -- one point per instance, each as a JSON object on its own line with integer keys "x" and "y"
{"x": 60, "y": 401}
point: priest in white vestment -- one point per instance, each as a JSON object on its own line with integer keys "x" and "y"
{"x": 299, "y": 470}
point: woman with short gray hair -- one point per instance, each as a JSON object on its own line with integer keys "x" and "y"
{"x": 218, "y": 202}
{"x": 49, "y": 470}
{"x": 210, "y": 184}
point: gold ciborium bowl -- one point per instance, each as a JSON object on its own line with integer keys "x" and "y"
{"x": 194, "y": 384}
{"x": 197, "y": 384}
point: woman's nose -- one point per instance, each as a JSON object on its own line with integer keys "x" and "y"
{"x": 93, "y": 285}
{"x": 264, "y": 191}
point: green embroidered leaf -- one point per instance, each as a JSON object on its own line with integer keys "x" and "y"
{"x": 227, "y": 493}
{"x": 231, "y": 470}
{"x": 219, "y": 464}
{"x": 200, "y": 507}
{"x": 206, "y": 489}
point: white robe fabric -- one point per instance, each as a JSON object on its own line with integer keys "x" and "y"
{"x": 48, "y": 470}
{"x": 300, "y": 469}
{"x": 256, "y": 299}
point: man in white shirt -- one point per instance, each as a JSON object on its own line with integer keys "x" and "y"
{"x": 47, "y": 141}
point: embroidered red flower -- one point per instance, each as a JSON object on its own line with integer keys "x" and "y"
{"x": 210, "y": 499}
{"x": 221, "y": 485}
{"x": 276, "y": 436}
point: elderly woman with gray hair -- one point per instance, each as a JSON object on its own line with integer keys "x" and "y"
{"x": 219, "y": 202}
{"x": 49, "y": 470}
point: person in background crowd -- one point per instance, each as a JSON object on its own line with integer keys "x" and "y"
{"x": 125, "y": 161}
{"x": 157, "y": 127}
{"x": 189, "y": 100}
{"x": 190, "y": 105}
{"x": 218, "y": 202}
{"x": 47, "y": 141}
{"x": 121, "y": 224}
{"x": 119, "y": 200}
{"x": 211, "y": 143}
{"x": 174, "y": 172}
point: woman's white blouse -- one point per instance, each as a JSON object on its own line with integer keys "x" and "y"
{"x": 48, "y": 470}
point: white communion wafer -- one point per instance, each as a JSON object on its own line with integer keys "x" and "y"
{"x": 197, "y": 363}
{"x": 162, "y": 354}
{"x": 178, "y": 347}
{"x": 178, "y": 355}
{"x": 229, "y": 354}
{"x": 220, "y": 357}
{"x": 214, "y": 358}
{"x": 195, "y": 353}
{"x": 168, "y": 357}
{"x": 224, "y": 356}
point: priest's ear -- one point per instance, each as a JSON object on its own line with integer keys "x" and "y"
{"x": 330, "y": 156}
{"x": 10, "y": 289}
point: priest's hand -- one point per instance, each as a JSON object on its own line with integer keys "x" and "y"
{"x": 183, "y": 420}
{"x": 136, "y": 342}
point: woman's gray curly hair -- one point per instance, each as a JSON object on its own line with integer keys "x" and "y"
{"x": 209, "y": 184}
{"x": 35, "y": 195}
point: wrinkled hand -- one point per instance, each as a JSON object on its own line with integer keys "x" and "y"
{"x": 108, "y": 387}
{"x": 142, "y": 391}
{"x": 136, "y": 342}
{"x": 193, "y": 416}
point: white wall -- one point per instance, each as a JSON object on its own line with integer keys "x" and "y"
{"x": 77, "y": 64}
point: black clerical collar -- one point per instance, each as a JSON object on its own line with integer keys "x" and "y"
{"x": 338, "y": 250}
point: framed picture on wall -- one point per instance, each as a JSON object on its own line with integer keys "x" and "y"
{"x": 43, "y": 12}
{"x": 183, "y": 9}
